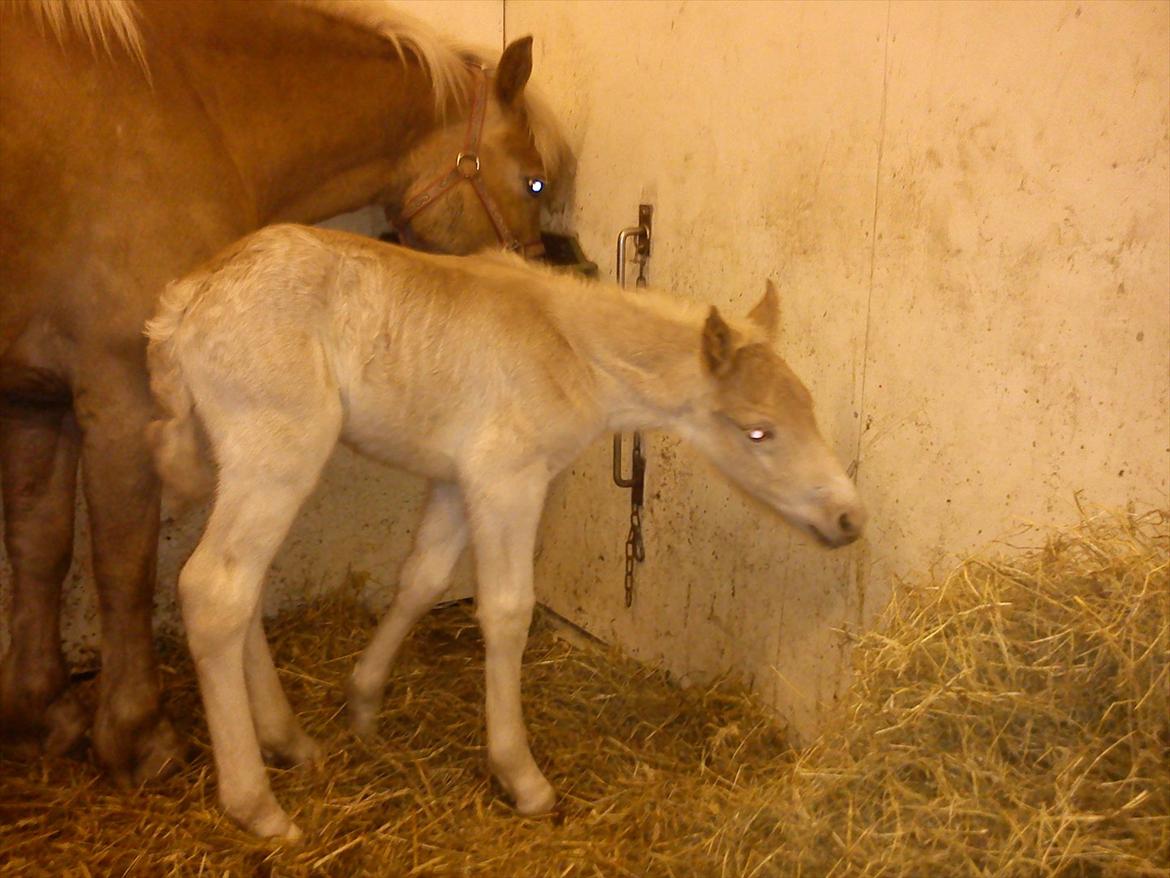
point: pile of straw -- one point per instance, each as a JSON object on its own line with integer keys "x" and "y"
{"x": 1012, "y": 720}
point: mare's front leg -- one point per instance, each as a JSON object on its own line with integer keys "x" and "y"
{"x": 504, "y": 515}
{"x": 38, "y": 459}
{"x": 442, "y": 536}
{"x": 133, "y": 740}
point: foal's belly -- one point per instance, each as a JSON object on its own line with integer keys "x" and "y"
{"x": 394, "y": 438}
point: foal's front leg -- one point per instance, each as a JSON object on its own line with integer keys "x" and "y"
{"x": 504, "y": 519}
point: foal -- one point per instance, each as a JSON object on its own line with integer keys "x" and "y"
{"x": 484, "y": 374}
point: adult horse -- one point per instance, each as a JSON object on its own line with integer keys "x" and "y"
{"x": 138, "y": 138}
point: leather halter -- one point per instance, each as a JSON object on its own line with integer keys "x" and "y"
{"x": 466, "y": 170}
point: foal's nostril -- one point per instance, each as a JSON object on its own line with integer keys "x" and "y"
{"x": 846, "y": 524}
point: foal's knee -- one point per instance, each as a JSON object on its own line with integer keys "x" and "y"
{"x": 504, "y": 615}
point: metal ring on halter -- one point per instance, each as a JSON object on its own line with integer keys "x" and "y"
{"x": 459, "y": 159}
{"x": 467, "y": 169}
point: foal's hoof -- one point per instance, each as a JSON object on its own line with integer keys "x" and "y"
{"x": 260, "y": 814}
{"x": 363, "y": 712}
{"x": 300, "y": 749}
{"x": 273, "y": 823}
{"x": 278, "y": 827}
{"x": 538, "y": 801}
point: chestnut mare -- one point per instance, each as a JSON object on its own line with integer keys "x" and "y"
{"x": 138, "y": 138}
{"x": 482, "y": 373}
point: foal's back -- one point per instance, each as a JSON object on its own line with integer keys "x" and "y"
{"x": 433, "y": 359}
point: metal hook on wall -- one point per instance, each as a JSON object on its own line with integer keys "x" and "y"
{"x": 635, "y": 548}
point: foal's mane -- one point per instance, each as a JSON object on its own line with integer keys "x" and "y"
{"x": 112, "y": 24}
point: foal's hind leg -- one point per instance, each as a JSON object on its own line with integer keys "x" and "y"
{"x": 220, "y": 588}
{"x": 441, "y": 539}
{"x": 277, "y": 728}
{"x": 38, "y": 458}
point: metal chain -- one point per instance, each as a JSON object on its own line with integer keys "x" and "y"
{"x": 635, "y": 550}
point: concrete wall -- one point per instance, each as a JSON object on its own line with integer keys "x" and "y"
{"x": 967, "y": 207}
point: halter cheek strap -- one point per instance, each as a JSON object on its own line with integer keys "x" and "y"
{"x": 466, "y": 170}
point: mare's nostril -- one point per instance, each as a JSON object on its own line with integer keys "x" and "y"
{"x": 846, "y": 524}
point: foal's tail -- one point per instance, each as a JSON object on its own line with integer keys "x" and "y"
{"x": 181, "y": 455}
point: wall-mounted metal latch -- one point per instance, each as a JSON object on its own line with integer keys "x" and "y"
{"x": 635, "y": 548}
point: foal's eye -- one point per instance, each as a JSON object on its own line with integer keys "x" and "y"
{"x": 759, "y": 434}
{"x": 535, "y": 186}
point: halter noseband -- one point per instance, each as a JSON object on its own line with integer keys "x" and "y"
{"x": 466, "y": 170}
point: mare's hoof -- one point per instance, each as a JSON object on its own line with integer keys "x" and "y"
{"x": 66, "y": 723}
{"x": 159, "y": 754}
{"x": 39, "y": 711}
{"x": 145, "y": 752}
{"x": 59, "y": 729}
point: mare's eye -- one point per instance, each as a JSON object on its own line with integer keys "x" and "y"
{"x": 535, "y": 186}
{"x": 759, "y": 434}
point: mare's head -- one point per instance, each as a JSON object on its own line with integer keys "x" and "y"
{"x": 759, "y": 429}
{"x": 480, "y": 180}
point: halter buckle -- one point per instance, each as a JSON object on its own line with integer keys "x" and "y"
{"x": 465, "y": 171}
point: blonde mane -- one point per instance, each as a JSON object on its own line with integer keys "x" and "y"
{"x": 114, "y": 24}
{"x": 446, "y": 62}
{"x": 443, "y": 59}
{"x": 105, "y": 24}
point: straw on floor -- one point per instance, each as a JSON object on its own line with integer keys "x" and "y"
{"x": 1012, "y": 719}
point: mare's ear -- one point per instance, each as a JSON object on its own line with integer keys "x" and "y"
{"x": 718, "y": 345}
{"x": 766, "y": 314}
{"x": 513, "y": 70}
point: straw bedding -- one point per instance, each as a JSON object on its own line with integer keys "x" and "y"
{"x": 1012, "y": 719}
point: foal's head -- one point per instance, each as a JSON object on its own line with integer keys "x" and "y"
{"x": 480, "y": 181}
{"x": 760, "y": 430}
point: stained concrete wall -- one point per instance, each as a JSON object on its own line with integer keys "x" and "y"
{"x": 967, "y": 207}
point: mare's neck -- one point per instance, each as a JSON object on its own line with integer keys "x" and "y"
{"x": 316, "y": 113}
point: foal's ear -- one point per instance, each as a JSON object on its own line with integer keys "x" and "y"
{"x": 766, "y": 314}
{"x": 718, "y": 345}
{"x": 513, "y": 70}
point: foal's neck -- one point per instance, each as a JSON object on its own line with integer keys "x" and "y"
{"x": 316, "y": 113}
{"x": 644, "y": 351}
